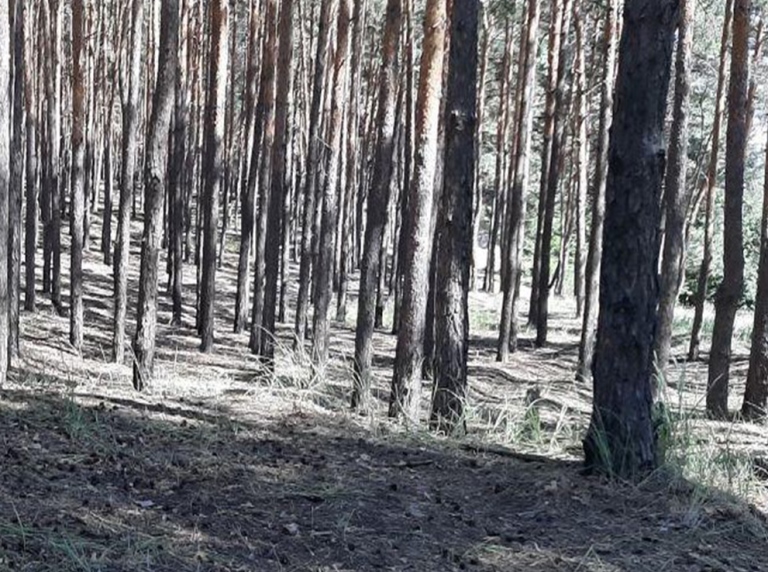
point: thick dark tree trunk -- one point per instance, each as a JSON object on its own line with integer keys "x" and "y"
{"x": 455, "y": 220}
{"x": 729, "y": 293}
{"x": 621, "y": 440}
{"x": 154, "y": 189}
{"x": 378, "y": 199}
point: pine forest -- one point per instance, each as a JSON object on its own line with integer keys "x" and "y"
{"x": 405, "y": 285}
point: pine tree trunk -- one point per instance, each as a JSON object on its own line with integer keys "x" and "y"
{"x": 254, "y": 131}
{"x": 50, "y": 202}
{"x": 478, "y": 207}
{"x": 550, "y": 113}
{"x": 417, "y": 249}
{"x": 556, "y": 160}
{"x": 330, "y": 204}
{"x": 378, "y": 199}
{"x": 57, "y": 181}
{"x": 313, "y": 170}
{"x": 756, "y": 394}
{"x": 127, "y": 176}
{"x": 213, "y": 164}
{"x": 176, "y": 178}
{"x": 280, "y": 182}
{"x": 78, "y": 175}
{"x": 269, "y": 64}
{"x": 455, "y": 220}
{"x": 515, "y": 228}
{"x": 595, "y": 252}
{"x": 677, "y": 194}
{"x": 5, "y": 178}
{"x": 711, "y": 186}
{"x": 154, "y": 189}
{"x": 32, "y": 188}
{"x": 499, "y": 179}
{"x": 17, "y": 177}
{"x": 621, "y": 439}
{"x": 729, "y": 293}
{"x": 582, "y": 158}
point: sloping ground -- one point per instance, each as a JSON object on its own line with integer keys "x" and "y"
{"x": 111, "y": 483}
{"x": 219, "y": 466}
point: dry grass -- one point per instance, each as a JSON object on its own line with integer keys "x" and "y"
{"x": 223, "y": 466}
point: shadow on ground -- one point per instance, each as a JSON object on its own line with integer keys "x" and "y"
{"x": 101, "y": 483}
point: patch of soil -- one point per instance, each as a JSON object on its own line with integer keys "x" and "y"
{"x": 220, "y": 467}
{"x": 101, "y": 484}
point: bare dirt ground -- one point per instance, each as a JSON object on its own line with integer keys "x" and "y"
{"x": 220, "y": 467}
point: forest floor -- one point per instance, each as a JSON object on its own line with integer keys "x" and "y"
{"x": 220, "y": 467}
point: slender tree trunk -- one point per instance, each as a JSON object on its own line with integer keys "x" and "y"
{"x": 594, "y": 254}
{"x": 514, "y": 231}
{"x": 582, "y": 158}
{"x": 230, "y": 163}
{"x": 280, "y": 181}
{"x": 729, "y": 293}
{"x": 56, "y": 157}
{"x": 257, "y": 333}
{"x": 176, "y": 176}
{"x": 710, "y": 194}
{"x": 31, "y": 221}
{"x": 677, "y": 194}
{"x": 17, "y": 177}
{"x": 127, "y": 176}
{"x": 556, "y": 160}
{"x": 455, "y": 220}
{"x": 78, "y": 175}
{"x": 352, "y": 180}
{"x": 5, "y": 178}
{"x": 215, "y": 114}
{"x": 620, "y": 440}
{"x": 478, "y": 208}
{"x": 330, "y": 206}
{"x": 406, "y": 383}
{"x": 154, "y": 190}
{"x": 501, "y": 150}
{"x": 756, "y": 394}
{"x": 378, "y": 199}
{"x": 254, "y": 131}
{"x": 550, "y": 114}
{"x": 313, "y": 169}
